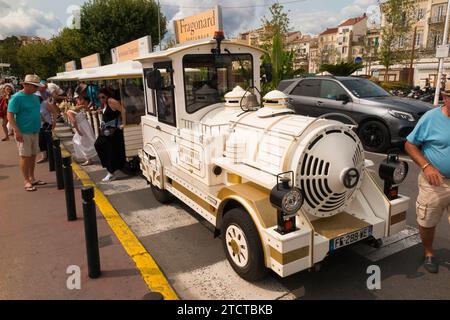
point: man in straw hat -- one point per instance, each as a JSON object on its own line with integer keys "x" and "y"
{"x": 24, "y": 116}
{"x": 429, "y": 146}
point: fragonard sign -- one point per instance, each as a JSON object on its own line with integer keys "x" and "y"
{"x": 132, "y": 50}
{"x": 91, "y": 61}
{"x": 200, "y": 26}
{"x": 71, "y": 66}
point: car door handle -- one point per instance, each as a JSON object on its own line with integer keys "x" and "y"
{"x": 319, "y": 103}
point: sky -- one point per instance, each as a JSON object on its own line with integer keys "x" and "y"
{"x": 45, "y": 18}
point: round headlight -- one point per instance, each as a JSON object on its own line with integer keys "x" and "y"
{"x": 400, "y": 173}
{"x": 292, "y": 201}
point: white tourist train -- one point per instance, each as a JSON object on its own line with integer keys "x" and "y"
{"x": 283, "y": 191}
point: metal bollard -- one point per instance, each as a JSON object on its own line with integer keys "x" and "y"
{"x": 50, "y": 155}
{"x": 58, "y": 164}
{"x": 68, "y": 186}
{"x": 90, "y": 230}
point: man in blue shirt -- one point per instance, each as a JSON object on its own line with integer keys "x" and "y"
{"x": 429, "y": 146}
{"x": 25, "y": 119}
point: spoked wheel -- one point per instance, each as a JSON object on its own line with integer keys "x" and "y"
{"x": 242, "y": 245}
{"x": 374, "y": 136}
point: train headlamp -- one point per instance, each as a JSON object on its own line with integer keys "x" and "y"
{"x": 288, "y": 200}
{"x": 393, "y": 171}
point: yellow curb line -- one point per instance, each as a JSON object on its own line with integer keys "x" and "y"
{"x": 152, "y": 275}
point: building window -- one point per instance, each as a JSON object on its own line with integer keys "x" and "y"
{"x": 419, "y": 39}
{"x": 420, "y": 14}
{"x": 401, "y": 41}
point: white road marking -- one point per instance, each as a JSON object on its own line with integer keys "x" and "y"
{"x": 391, "y": 245}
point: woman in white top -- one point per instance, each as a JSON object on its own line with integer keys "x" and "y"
{"x": 84, "y": 138}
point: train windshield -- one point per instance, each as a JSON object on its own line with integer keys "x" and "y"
{"x": 207, "y": 78}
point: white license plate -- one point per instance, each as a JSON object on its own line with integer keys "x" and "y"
{"x": 350, "y": 238}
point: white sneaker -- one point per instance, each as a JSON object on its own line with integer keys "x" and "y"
{"x": 110, "y": 177}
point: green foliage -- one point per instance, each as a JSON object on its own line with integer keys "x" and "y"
{"x": 282, "y": 60}
{"x": 106, "y": 24}
{"x": 395, "y": 86}
{"x": 343, "y": 69}
{"x": 399, "y": 18}
{"x": 38, "y": 59}
{"x": 8, "y": 53}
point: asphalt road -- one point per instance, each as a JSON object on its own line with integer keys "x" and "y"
{"x": 183, "y": 245}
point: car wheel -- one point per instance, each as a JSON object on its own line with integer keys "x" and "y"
{"x": 162, "y": 196}
{"x": 242, "y": 245}
{"x": 375, "y": 136}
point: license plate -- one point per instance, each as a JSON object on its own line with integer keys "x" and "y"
{"x": 350, "y": 238}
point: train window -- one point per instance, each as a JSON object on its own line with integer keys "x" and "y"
{"x": 165, "y": 98}
{"x": 133, "y": 100}
{"x": 207, "y": 78}
{"x": 149, "y": 95}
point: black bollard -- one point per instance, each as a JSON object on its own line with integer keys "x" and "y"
{"x": 58, "y": 164}
{"x": 90, "y": 230}
{"x": 50, "y": 156}
{"x": 68, "y": 186}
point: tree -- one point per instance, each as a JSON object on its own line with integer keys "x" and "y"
{"x": 343, "y": 69}
{"x": 277, "y": 54}
{"x": 69, "y": 45}
{"x": 106, "y": 24}
{"x": 8, "y": 54}
{"x": 398, "y": 20}
{"x": 38, "y": 58}
{"x": 277, "y": 23}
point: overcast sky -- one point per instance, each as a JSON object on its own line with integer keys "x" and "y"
{"x": 45, "y": 17}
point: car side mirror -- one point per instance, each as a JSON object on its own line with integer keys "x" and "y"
{"x": 267, "y": 73}
{"x": 344, "y": 98}
{"x": 154, "y": 79}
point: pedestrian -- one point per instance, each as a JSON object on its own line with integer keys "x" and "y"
{"x": 7, "y": 92}
{"x": 110, "y": 144}
{"x": 48, "y": 124}
{"x": 84, "y": 138}
{"x": 25, "y": 119}
{"x": 429, "y": 147}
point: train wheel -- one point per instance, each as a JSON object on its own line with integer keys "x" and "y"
{"x": 242, "y": 245}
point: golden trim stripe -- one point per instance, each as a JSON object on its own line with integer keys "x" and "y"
{"x": 286, "y": 258}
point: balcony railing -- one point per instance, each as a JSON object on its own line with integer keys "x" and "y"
{"x": 436, "y": 19}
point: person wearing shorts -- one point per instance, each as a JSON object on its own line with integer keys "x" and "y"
{"x": 429, "y": 146}
{"x": 24, "y": 116}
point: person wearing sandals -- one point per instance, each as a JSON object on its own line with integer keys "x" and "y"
{"x": 7, "y": 92}
{"x": 84, "y": 138}
{"x": 429, "y": 146}
{"x": 110, "y": 144}
{"x": 25, "y": 118}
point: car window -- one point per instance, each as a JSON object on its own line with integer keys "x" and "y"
{"x": 284, "y": 84}
{"x": 363, "y": 88}
{"x": 307, "y": 88}
{"x": 331, "y": 90}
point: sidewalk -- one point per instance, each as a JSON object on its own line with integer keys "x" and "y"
{"x": 37, "y": 244}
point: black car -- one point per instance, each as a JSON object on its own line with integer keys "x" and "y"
{"x": 383, "y": 120}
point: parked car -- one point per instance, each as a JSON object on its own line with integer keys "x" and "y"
{"x": 383, "y": 120}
